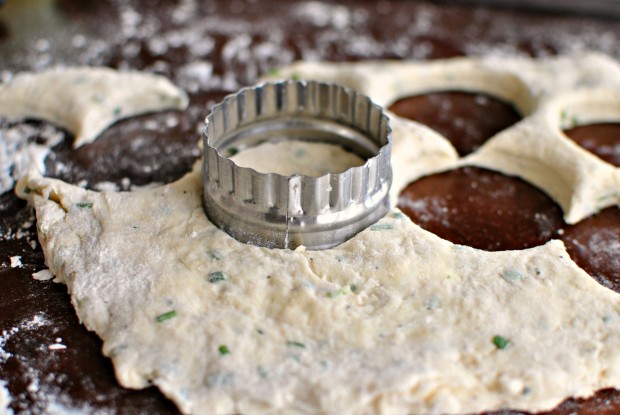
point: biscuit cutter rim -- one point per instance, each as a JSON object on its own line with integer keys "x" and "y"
{"x": 276, "y": 211}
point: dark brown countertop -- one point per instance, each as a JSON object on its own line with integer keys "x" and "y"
{"x": 209, "y": 48}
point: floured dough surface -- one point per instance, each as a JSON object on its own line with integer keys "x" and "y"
{"x": 393, "y": 321}
{"x": 298, "y": 157}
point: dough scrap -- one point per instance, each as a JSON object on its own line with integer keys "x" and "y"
{"x": 86, "y": 100}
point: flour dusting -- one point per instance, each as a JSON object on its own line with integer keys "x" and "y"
{"x": 5, "y": 399}
{"x": 25, "y": 146}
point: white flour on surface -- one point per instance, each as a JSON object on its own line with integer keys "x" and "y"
{"x": 20, "y": 151}
{"x": 47, "y": 395}
{"x": 5, "y": 399}
{"x": 16, "y": 261}
{"x": 199, "y": 25}
{"x": 37, "y": 320}
{"x": 24, "y": 230}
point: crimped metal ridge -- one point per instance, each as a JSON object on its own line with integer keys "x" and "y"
{"x": 287, "y": 211}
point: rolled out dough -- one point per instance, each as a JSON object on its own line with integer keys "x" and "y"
{"x": 393, "y": 321}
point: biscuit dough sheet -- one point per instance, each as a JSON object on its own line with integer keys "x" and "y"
{"x": 393, "y": 321}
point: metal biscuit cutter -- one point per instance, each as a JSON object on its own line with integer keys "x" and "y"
{"x": 279, "y": 211}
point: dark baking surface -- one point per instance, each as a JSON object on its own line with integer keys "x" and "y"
{"x": 453, "y": 121}
{"x": 600, "y": 139}
{"x": 210, "y": 49}
{"x": 482, "y": 209}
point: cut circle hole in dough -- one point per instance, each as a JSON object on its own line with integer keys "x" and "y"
{"x": 601, "y": 139}
{"x": 592, "y": 120}
{"x": 594, "y": 244}
{"x": 482, "y": 209}
{"x": 466, "y": 119}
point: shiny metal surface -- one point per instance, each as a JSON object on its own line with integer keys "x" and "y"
{"x": 288, "y": 211}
